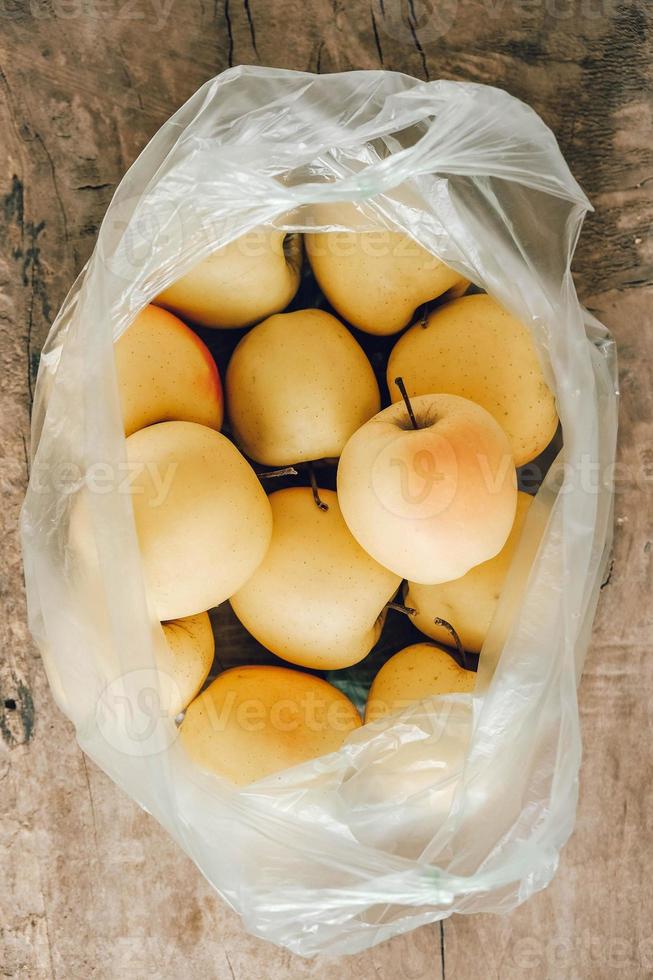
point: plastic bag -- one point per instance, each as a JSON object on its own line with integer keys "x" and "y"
{"x": 460, "y": 804}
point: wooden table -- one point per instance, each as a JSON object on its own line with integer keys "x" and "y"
{"x": 91, "y": 886}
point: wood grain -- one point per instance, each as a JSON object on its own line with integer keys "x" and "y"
{"x": 92, "y": 887}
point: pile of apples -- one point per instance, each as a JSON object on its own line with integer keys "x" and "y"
{"x": 425, "y": 507}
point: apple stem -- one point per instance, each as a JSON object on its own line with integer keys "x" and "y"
{"x": 285, "y": 471}
{"x": 462, "y": 653}
{"x": 398, "y": 607}
{"x": 409, "y": 408}
{"x": 315, "y": 489}
{"x": 423, "y": 316}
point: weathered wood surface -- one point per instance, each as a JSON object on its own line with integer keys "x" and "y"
{"x": 91, "y": 886}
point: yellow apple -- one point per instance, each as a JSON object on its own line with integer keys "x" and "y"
{"x": 374, "y": 279}
{"x": 187, "y": 658}
{"x": 241, "y": 283}
{"x": 468, "y": 603}
{"x": 473, "y": 348}
{"x": 165, "y": 373}
{"x": 253, "y": 721}
{"x": 457, "y": 290}
{"x": 203, "y": 520}
{"x": 433, "y": 497}
{"x": 317, "y": 599}
{"x": 416, "y": 672}
{"x": 298, "y": 385}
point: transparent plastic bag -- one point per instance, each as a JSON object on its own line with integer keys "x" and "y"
{"x": 459, "y": 804}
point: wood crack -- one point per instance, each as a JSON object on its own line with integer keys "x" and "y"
{"x": 318, "y": 60}
{"x": 90, "y": 798}
{"x": 55, "y": 186}
{"x": 128, "y": 77}
{"x": 377, "y": 40}
{"x": 230, "y": 35}
{"x": 412, "y": 23}
{"x": 25, "y": 456}
{"x": 34, "y": 277}
{"x": 93, "y": 187}
{"x": 231, "y": 969}
{"x": 250, "y": 21}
